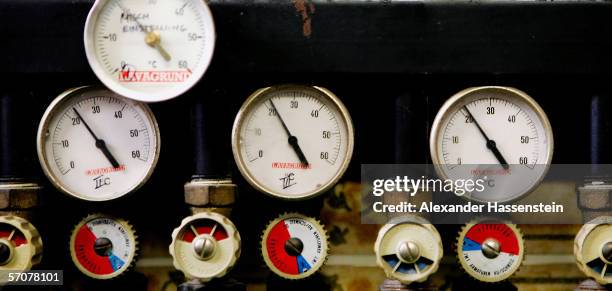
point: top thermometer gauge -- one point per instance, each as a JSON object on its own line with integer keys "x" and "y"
{"x": 498, "y": 134}
{"x": 292, "y": 142}
{"x": 149, "y": 50}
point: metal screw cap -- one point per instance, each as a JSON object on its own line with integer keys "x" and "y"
{"x": 5, "y": 253}
{"x": 606, "y": 252}
{"x": 103, "y": 247}
{"x": 204, "y": 247}
{"x": 491, "y": 248}
{"x": 408, "y": 252}
{"x": 294, "y": 246}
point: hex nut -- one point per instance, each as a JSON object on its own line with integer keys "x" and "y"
{"x": 18, "y": 195}
{"x": 213, "y": 193}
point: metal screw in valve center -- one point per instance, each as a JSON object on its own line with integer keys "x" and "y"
{"x": 408, "y": 251}
{"x": 5, "y": 253}
{"x": 103, "y": 247}
{"x": 606, "y": 251}
{"x": 491, "y": 248}
{"x": 204, "y": 247}
{"x": 294, "y": 247}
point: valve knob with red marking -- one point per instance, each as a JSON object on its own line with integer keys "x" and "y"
{"x": 489, "y": 250}
{"x": 103, "y": 247}
{"x": 593, "y": 249}
{"x": 294, "y": 246}
{"x": 20, "y": 244}
{"x": 205, "y": 246}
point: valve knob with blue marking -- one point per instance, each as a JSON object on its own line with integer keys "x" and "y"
{"x": 593, "y": 249}
{"x": 294, "y": 246}
{"x": 490, "y": 250}
{"x": 103, "y": 247}
{"x": 409, "y": 249}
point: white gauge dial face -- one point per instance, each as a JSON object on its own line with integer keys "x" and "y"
{"x": 293, "y": 142}
{"x": 149, "y": 50}
{"x": 495, "y": 133}
{"x": 96, "y": 145}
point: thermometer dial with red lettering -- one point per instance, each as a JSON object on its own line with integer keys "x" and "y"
{"x": 292, "y": 142}
{"x": 149, "y": 50}
{"x": 96, "y": 145}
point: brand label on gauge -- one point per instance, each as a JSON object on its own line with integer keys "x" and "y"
{"x": 490, "y": 252}
{"x": 103, "y": 247}
{"x": 295, "y": 247}
{"x": 153, "y": 76}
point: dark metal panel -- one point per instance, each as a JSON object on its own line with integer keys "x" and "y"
{"x": 349, "y": 36}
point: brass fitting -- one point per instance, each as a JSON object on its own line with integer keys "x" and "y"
{"x": 216, "y": 195}
{"x": 595, "y": 199}
{"x": 18, "y": 196}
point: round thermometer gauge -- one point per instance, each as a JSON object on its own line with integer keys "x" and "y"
{"x": 498, "y": 134}
{"x": 292, "y": 142}
{"x": 149, "y": 50}
{"x": 96, "y": 145}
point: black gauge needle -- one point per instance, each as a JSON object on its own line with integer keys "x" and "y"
{"x": 293, "y": 141}
{"x": 100, "y": 144}
{"x": 491, "y": 145}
